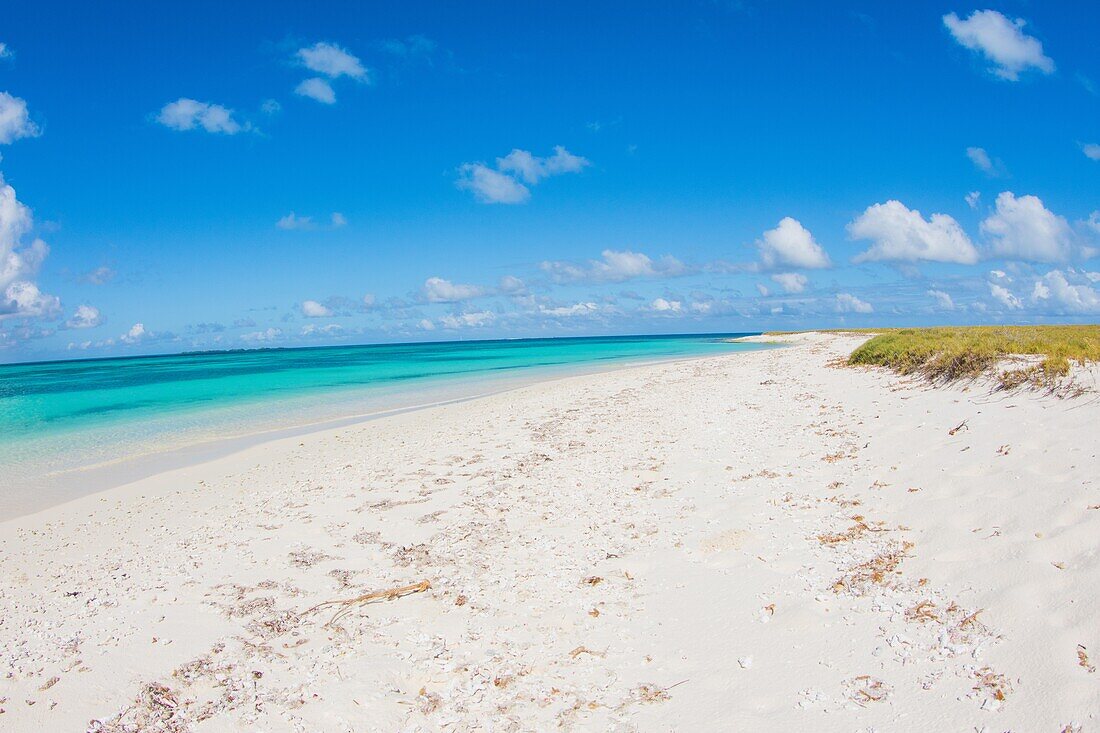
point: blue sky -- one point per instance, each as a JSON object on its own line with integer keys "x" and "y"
{"x": 203, "y": 175}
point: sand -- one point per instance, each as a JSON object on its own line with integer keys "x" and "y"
{"x": 758, "y": 541}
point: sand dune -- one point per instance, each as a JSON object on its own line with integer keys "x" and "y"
{"x": 759, "y": 541}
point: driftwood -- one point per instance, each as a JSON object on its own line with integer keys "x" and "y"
{"x": 347, "y": 605}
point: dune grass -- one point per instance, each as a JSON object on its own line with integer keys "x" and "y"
{"x": 950, "y": 353}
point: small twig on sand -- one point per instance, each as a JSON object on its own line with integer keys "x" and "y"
{"x": 957, "y": 428}
{"x": 348, "y": 604}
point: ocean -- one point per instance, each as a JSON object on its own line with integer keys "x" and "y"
{"x": 57, "y": 418}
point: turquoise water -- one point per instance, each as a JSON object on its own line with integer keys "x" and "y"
{"x": 58, "y": 416}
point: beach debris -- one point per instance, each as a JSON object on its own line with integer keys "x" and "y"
{"x": 592, "y": 580}
{"x": 347, "y": 605}
{"x": 865, "y": 689}
{"x": 649, "y": 692}
{"x": 585, "y": 650}
{"x": 993, "y": 685}
{"x": 744, "y": 662}
{"x": 957, "y": 428}
{"x": 1003, "y": 450}
{"x": 1083, "y": 659}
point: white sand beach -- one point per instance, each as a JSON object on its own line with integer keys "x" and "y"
{"x": 758, "y": 541}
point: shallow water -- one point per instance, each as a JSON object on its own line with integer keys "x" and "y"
{"x": 56, "y": 417}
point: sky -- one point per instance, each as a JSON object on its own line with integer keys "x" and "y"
{"x": 202, "y": 175}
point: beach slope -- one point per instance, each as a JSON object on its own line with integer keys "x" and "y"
{"x": 760, "y": 541}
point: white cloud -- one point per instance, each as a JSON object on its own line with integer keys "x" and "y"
{"x": 467, "y": 320}
{"x": 270, "y": 334}
{"x": 943, "y": 300}
{"x": 136, "y": 333}
{"x": 187, "y": 114}
{"x": 369, "y": 300}
{"x": 1091, "y": 151}
{"x": 332, "y": 61}
{"x": 15, "y": 121}
{"x": 502, "y": 185}
{"x": 983, "y": 162}
{"x": 5, "y": 52}
{"x": 570, "y": 311}
{"x": 791, "y": 282}
{"x": 1054, "y": 286}
{"x": 271, "y": 107}
{"x": 665, "y": 306}
{"x": 23, "y": 299}
{"x": 86, "y": 316}
{"x": 791, "y": 244}
{"x": 848, "y": 303}
{"x": 490, "y": 186}
{"x": 330, "y": 330}
{"x": 293, "y": 222}
{"x": 438, "y": 290}
{"x": 1002, "y": 41}
{"x": 1022, "y": 228}
{"x": 980, "y": 159}
{"x": 316, "y": 88}
{"x": 900, "y": 233}
{"x": 20, "y": 298}
{"x": 615, "y": 266}
{"x": 511, "y": 284}
{"x": 99, "y": 276}
{"x": 426, "y": 325}
{"x": 1004, "y": 296}
{"x": 762, "y": 289}
{"x": 313, "y": 309}
{"x": 533, "y": 169}
{"x": 972, "y": 199}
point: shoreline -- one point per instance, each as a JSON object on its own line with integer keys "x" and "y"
{"x": 113, "y": 473}
{"x": 754, "y": 540}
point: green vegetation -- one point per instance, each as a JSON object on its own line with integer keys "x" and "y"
{"x": 950, "y": 353}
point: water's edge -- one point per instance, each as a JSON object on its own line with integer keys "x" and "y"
{"x": 71, "y": 484}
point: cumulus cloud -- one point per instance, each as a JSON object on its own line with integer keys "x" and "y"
{"x": 490, "y": 186}
{"x": 1055, "y": 288}
{"x": 1004, "y": 296}
{"x": 20, "y": 297}
{"x": 512, "y": 285}
{"x": 502, "y": 184}
{"x": 15, "y": 121}
{"x": 848, "y": 303}
{"x": 256, "y": 337}
{"x": 467, "y": 320}
{"x": 943, "y": 300}
{"x": 900, "y": 233}
{"x": 332, "y": 61}
{"x": 1091, "y": 151}
{"x": 1001, "y": 41}
{"x": 425, "y": 325}
{"x": 570, "y": 311}
{"x": 271, "y": 107}
{"x": 86, "y": 316}
{"x": 5, "y": 52}
{"x": 439, "y": 290}
{"x": 189, "y": 114}
{"x": 313, "y": 309}
{"x": 791, "y": 282}
{"x": 136, "y": 333}
{"x": 791, "y": 244}
{"x": 1022, "y": 228}
{"x": 972, "y": 199}
{"x": 316, "y": 88}
{"x": 614, "y": 266}
{"x": 331, "y": 329}
{"x": 660, "y": 305}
